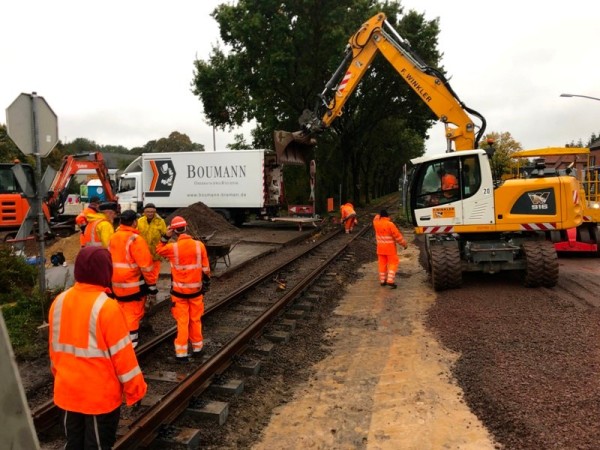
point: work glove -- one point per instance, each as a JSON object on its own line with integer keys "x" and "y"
{"x": 205, "y": 283}
{"x": 152, "y": 290}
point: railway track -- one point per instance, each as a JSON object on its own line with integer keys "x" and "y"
{"x": 248, "y": 319}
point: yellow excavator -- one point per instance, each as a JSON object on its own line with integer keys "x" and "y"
{"x": 466, "y": 219}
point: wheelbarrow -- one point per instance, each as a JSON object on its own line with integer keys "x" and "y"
{"x": 219, "y": 253}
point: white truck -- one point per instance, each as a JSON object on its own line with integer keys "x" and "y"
{"x": 234, "y": 184}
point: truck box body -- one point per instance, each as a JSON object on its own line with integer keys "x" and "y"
{"x": 230, "y": 182}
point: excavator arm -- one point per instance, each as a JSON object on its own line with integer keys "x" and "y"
{"x": 71, "y": 164}
{"x": 378, "y": 36}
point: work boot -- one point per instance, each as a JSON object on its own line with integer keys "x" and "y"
{"x": 392, "y": 285}
{"x": 182, "y": 359}
{"x": 383, "y": 283}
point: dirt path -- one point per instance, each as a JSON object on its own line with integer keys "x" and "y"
{"x": 387, "y": 383}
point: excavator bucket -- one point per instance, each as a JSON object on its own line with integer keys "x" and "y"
{"x": 293, "y": 148}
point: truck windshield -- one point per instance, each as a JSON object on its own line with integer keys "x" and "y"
{"x": 127, "y": 184}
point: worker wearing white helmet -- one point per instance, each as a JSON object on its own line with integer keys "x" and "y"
{"x": 190, "y": 278}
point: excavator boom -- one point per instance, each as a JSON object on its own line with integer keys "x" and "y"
{"x": 71, "y": 164}
{"x": 378, "y": 36}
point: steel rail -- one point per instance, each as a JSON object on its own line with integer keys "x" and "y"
{"x": 143, "y": 430}
{"x": 46, "y": 415}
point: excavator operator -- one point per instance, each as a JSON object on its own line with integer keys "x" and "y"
{"x": 449, "y": 182}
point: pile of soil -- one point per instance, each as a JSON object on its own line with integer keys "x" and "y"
{"x": 69, "y": 246}
{"x": 203, "y": 223}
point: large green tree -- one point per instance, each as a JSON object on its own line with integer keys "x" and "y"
{"x": 279, "y": 56}
{"x": 504, "y": 145}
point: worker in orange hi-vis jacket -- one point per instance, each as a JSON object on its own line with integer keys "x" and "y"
{"x": 387, "y": 235}
{"x": 92, "y": 359}
{"x": 89, "y": 214}
{"x": 190, "y": 279}
{"x": 133, "y": 275}
{"x": 99, "y": 231}
{"x": 348, "y": 217}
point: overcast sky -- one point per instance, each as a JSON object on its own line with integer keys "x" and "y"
{"x": 119, "y": 72}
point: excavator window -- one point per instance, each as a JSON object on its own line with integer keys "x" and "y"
{"x": 444, "y": 181}
{"x": 8, "y": 182}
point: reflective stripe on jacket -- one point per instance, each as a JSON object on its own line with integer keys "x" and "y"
{"x": 386, "y": 235}
{"x": 98, "y": 233}
{"x": 93, "y": 361}
{"x": 88, "y": 215}
{"x": 152, "y": 232}
{"x": 189, "y": 261}
{"x": 132, "y": 264}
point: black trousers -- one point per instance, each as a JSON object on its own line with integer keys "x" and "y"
{"x": 87, "y": 431}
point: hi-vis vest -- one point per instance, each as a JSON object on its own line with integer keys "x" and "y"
{"x": 189, "y": 261}
{"x": 386, "y": 235}
{"x": 91, "y": 236}
{"x": 92, "y": 358}
{"x": 132, "y": 264}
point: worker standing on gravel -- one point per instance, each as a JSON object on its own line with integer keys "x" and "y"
{"x": 387, "y": 235}
{"x": 190, "y": 278}
{"x": 99, "y": 231}
{"x": 152, "y": 227}
{"x": 89, "y": 214}
{"x": 133, "y": 276}
{"x": 92, "y": 360}
{"x": 348, "y": 216}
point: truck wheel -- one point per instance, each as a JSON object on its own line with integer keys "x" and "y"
{"x": 541, "y": 264}
{"x": 446, "y": 271}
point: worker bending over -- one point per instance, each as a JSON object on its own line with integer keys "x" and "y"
{"x": 348, "y": 217}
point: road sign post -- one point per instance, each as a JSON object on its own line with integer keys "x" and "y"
{"x": 33, "y": 127}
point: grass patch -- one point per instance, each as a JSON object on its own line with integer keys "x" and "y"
{"x": 23, "y": 308}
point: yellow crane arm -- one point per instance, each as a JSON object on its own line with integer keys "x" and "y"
{"x": 377, "y": 36}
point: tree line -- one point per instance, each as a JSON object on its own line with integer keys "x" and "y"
{"x": 274, "y": 60}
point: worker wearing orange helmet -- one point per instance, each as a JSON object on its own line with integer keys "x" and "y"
{"x": 348, "y": 217}
{"x": 190, "y": 279}
{"x": 449, "y": 182}
{"x": 92, "y": 360}
{"x": 133, "y": 278}
{"x": 387, "y": 235}
{"x": 99, "y": 231}
{"x": 89, "y": 214}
